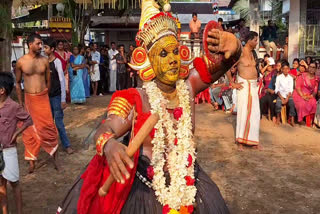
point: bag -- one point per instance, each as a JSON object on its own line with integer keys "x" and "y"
{"x": 2, "y": 165}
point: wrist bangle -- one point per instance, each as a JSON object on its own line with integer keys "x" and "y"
{"x": 102, "y": 141}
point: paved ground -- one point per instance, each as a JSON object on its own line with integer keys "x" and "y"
{"x": 283, "y": 178}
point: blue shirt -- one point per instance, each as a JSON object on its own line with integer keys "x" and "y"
{"x": 95, "y": 56}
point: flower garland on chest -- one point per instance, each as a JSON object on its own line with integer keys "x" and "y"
{"x": 176, "y": 146}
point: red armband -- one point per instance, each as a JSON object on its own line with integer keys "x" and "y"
{"x": 202, "y": 69}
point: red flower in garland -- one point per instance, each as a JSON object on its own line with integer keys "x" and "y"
{"x": 175, "y": 141}
{"x": 153, "y": 131}
{"x": 177, "y": 112}
{"x": 189, "y": 160}
{"x": 150, "y": 172}
{"x": 190, "y": 208}
{"x": 166, "y": 209}
{"x": 190, "y": 181}
{"x": 103, "y": 121}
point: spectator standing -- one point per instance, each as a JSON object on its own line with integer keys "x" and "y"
{"x": 61, "y": 54}
{"x": 113, "y": 67}
{"x": 248, "y": 110}
{"x": 305, "y": 93}
{"x": 11, "y": 113}
{"x": 269, "y": 36}
{"x": 243, "y": 31}
{"x": 57, "y": 93}
{"x": 86, "y": 71}
{"x": 77, "y": 64}
{"x": 195, "y": 26}
{"x": 284, "y": 90}
{"x": 121, "y": 60}
{"x": 132, "y": 73}
{"x": 220, "y": 22}
{"x": 95, "y": 74}
{"x": 104, "y": 66}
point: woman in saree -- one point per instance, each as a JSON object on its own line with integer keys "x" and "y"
{"x": 77, "y": 64}
{"x": 304, "y": 95}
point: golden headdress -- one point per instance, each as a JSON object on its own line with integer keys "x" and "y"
{"x": 154, "y": 24}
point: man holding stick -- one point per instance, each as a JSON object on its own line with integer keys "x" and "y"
{"x": 163, "y": 170}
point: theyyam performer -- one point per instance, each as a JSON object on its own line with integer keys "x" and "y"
{"x": 163, "y": 175}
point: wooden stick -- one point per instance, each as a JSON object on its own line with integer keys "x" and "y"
{"x": 135, "y": 144}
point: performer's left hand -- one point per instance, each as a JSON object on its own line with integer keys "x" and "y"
{"x": 222, "y": 42}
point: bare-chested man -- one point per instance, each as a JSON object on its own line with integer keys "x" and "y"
{"x": 248, "y": 113}
{"x": 36, "y": 73}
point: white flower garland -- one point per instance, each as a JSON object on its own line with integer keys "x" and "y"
{"x": 177, "y": 194}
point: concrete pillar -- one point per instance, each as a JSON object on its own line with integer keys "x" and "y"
{"x": 294, "y": 25}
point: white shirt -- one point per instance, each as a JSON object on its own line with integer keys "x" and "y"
{"x": 113, "y": 63}
{"x": 95, "y": 56}
{"x": 58, "y": 65}
{"x": 284, "y": 85}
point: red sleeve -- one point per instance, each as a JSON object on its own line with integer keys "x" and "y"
{"x": 201, "y": 68}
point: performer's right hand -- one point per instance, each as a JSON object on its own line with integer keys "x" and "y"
{"x": 118, "y": 159}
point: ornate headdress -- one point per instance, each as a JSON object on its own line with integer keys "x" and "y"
{"x": 153, "y": 26}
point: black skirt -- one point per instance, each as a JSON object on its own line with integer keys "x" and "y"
{"x": 142, "y": 199}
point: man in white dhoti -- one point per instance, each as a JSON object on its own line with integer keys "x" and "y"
{"x": 113, "y": 67}
{"x": 248, "y": 109}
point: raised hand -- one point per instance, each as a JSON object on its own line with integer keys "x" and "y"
{"x": 222, "y": 42}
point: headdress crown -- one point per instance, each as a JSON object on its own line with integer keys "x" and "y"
{"x": 154, "y": 24}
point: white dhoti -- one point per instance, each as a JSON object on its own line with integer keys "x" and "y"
{"x": 95, "y": 75}
{"x": 11, "y": 168}
{"x": 248, "y": 113}
{"x": 113, "y": 80}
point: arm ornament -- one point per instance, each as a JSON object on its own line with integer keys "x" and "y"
{"x": 102, "y": 141}
{"x": 120, "y": 107}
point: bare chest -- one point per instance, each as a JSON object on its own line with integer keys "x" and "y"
{"x": 33, "y": 67}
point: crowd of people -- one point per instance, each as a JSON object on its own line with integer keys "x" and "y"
{"x": 98, "y": 70}
{"x": 42, "y": 99}
{"x": 296, "y": 87}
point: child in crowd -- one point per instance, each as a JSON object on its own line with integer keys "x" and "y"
{"x": 10, "y": 114}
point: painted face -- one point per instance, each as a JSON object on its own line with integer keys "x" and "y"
{"x": 164, "y": 57}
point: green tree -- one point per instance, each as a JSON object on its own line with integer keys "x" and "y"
{"x": 5, "y": 35}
